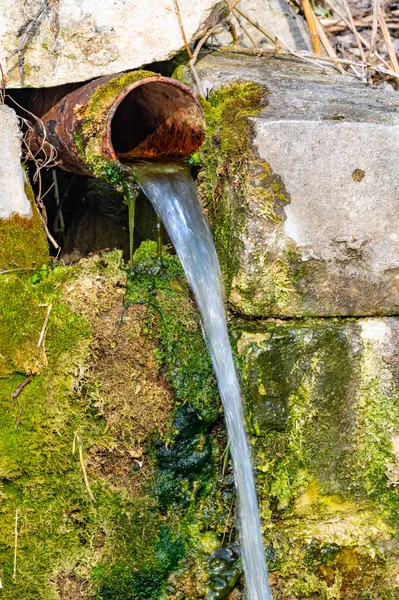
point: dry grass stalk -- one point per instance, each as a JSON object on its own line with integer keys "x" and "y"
{"x": 388, "y": 40}
{"x": 327, "y": 44}
{"x": 76, "y": 439}
{"x": 311, "y": 21}
{"x": 257, "y": 26}
{"x": 374, "y": 31}
{"x": 14, "y": 572}
{"x": 44, "y": 328}
{"x": 308, "y": 57}
{"x": 178, "y": 13}
{"x": 202, "y": 41}
{"x": 364, "y": 41}
{"x": 354, "y": 30}
{"x": 245, "y": 30}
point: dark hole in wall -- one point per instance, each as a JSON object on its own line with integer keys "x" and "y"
{"x": 87, "y": 215}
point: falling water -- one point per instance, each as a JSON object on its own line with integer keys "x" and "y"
{"x": 172, "y": 192}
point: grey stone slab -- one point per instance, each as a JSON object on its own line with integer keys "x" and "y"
{"x": 332, "y": 143}
{"x": 13, "y": 199}
{"x": 77, "y": 40}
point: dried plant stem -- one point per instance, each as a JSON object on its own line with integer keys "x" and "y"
{"x": 245, "y": 30}
{"x": 354, "y": 30}
{"x": 76, "y": 439}
{"x": 327, "y": 44}
{"x": 308, "y": 57}
{"x": 178, "y": 13}
{"x": 374, "y": 31}
{"x": 311, "y": 21}
{"x": 202, "y": 41}
{"x": 388, "y": 40}
{"x": 44, "y": 328}
{"x": 257, "y": 26}
{"x": 364, "y": 41}
{"x": 14, "y": 573}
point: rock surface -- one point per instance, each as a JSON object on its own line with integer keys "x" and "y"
{"x": 323, "y": 399}
{"x": 13, "y": 199}
{"x": 330, "y": 144}
{"x": 67, "y": 41}
{"x": 273, "y": 16}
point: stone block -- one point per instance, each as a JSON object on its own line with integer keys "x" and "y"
{"x": 321, "y": 238}
{"x": 13, "y": 199}
{"x": 323, "y": 411}
{"x": 73, "y": 41}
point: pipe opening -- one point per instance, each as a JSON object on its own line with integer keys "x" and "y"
{"x": 155, "y": 118}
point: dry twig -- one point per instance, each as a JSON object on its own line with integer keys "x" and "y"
{"x": 257, "y": 26}
{"x": 14, "y": 572}
{"x": 178, "y": 13}
{"x": 311, "y": 21}
{"x": 245, "y": 30}
{"x": 44, "y": 328}
{"x": 387, "y": 40}
{"x": 82, "y": 464}
{"x": 15, "y": 396}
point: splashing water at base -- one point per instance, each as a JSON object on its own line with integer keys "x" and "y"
{"x": 172, "y": 192}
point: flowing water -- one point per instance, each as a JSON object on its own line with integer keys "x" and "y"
{"x": 172, "y": 193}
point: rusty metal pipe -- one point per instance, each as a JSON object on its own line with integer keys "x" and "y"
{"x": 139, "y": 115}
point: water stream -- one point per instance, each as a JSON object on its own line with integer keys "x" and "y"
{"x": 172, "y": 193}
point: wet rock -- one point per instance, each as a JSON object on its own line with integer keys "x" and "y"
{"x": 273, "y": 16}
{"x": 328, "y": 242}
{"x": 69, "y": 41}
{"x": 327, "y": 473}
{"x": 13, "y": 199}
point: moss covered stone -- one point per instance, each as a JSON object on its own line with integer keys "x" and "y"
{"x": 236, "y": 186}
{"x": 324, "y": 411}
{"x": 112, "y": 455}
{"x": 23, "y": 242}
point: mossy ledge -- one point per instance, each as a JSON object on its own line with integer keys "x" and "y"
{"x": 23, "y": 241}
{"x": 232, "y": 179}
{"x": 122, "y": 390}
{"x": 323, "y": 406}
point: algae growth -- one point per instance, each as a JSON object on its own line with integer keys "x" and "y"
{"x": 323, "y": 409}
{"x": 23, "y": 242}
{"x": 111, "y": 452}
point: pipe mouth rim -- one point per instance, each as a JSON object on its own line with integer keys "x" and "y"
{"x": 127, "y": 90}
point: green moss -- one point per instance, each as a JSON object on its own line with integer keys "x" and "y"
{"x": 226, "y": 159}
{"x": 23, "y": 242}
{"x": 323, "y": 413}
{"x": 231, "y": 179}
{"x": 182, "y": 350}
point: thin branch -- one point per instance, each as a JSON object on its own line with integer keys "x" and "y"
{"x": 14, "y": 572}
{"x": 202, "y": 41}
{"x": 388, "y": 40}
{"x": 311, "y": 21}
{"x": 354, "y": 30}
{"x": 313, "y": 59}
{"x": 364, "y": 41}
{"x": 257, "y": 26}
{"x": 245, "y": 30}
{"x": 44, "y": 328}
{"x": 177, "y": 8}
{"x": 327, "y": 44}
{"x": 19, "y": 388}
{"x": 374, "y": 31}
